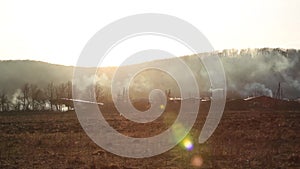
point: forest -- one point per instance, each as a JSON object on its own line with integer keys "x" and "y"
{"x": 53, "y": 97}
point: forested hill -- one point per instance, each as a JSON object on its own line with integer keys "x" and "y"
{"x": 248, "y": 72}
{"x": 15, "y": 73}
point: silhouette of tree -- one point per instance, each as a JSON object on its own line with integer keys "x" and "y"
{"x": 33, "y": 94}
{"x": 50, "y": 92}
{"x": 68, "y": 91}
{"x": 38, "y": 99}
{"x": 99, "y": 92}
{"x": 4, "y": 102}
{"x": 25, "y": 96}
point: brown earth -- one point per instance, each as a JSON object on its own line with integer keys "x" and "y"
{"x": 254, "y": 138}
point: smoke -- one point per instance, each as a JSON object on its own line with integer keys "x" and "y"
{"x": 85, "y": 82}
{"x": 248, "y": 72}
{"x": 256, "y": 89}
{"x": 261, "y": 70}
{"x": 14, "y": 98}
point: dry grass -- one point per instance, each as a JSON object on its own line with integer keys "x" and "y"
{"x": 243, "y": 139}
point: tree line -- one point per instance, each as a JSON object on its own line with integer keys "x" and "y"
{"x": 53, "y": 97}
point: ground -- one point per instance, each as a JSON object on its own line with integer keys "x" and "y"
{"x": 259, "y": 138}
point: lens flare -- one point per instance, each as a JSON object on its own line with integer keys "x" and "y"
{"x": 197, "y": 161}
{"x": 188, "y": 144}
{"x": 178, "y": 130}
{"x": 162, "y": 107}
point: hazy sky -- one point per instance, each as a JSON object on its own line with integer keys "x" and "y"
{"x": 56, "y": 31}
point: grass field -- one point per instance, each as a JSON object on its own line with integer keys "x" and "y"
{"x": 243, "y": 139}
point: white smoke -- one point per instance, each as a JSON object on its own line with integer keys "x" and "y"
{"x": 262, "y": 70}
{"x": 248, "y": 72}
{"x": 256, "y": 89}
{"x": 14, "y": 98}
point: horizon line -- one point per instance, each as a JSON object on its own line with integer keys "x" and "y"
{"x": 114, "y": 66}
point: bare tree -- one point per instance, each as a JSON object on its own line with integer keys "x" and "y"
{"x": 33, "y": 95}
{"x": 57, "y": 98}
{"x": 37, "y": 98}
{"x": 50, "y": 92}
{"x": 99, "y": 92}
{"x": 17, "y": 103}
{"x": 42, "y": 99}
{"x": 4, "y": 102}
{"x": 60, "y": 93}
{"x": 94, "y": 92}
{"x": 25, "y": 96}
{"x": 68, "y": 91}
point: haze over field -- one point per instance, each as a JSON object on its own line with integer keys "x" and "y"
{"x": 248, "y": 72}
{"x": 140, "y": 84}
{"x": 56, "y": 31}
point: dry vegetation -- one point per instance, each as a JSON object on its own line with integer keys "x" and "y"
{"x": 243, "y": 139}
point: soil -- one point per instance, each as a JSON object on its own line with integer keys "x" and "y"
{"x": 253, "y": 138}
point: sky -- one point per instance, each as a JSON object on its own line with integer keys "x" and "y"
{"x": 57, "y": 31}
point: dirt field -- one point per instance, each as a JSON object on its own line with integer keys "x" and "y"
{"x": 243, "y": 139}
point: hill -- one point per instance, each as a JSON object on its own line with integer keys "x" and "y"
{"x": 248, "y": 72}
